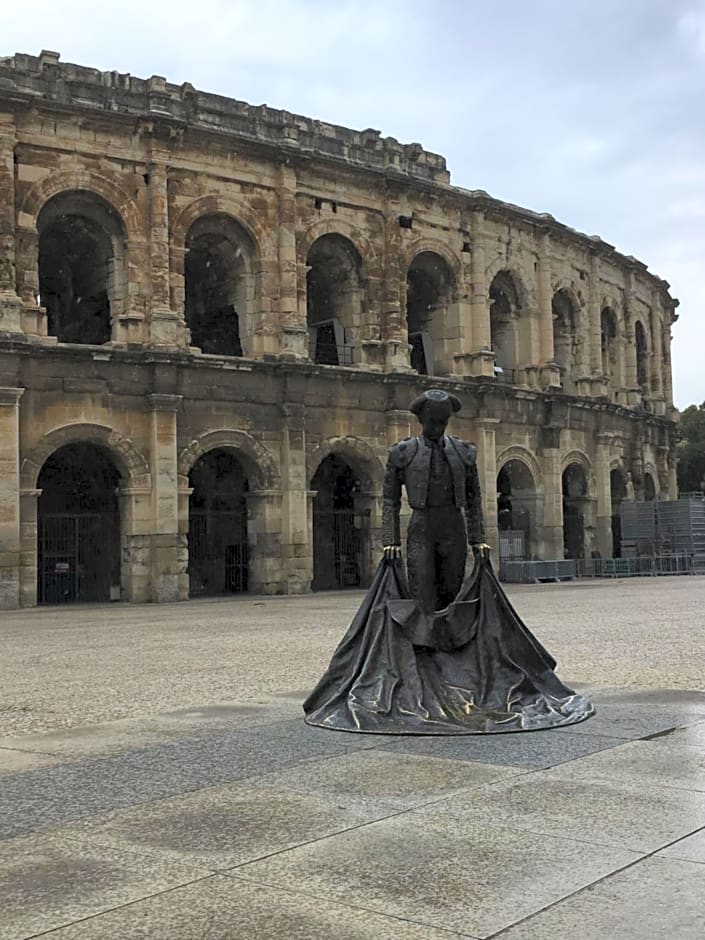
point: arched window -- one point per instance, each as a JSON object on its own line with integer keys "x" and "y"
{"x": 608, "y": 344}
{"x": 429, "y": 293}
{"x": 564, "y": 335}
{"x": 82, "y": 278}
{"x": 220, "y": 285}
{"x": 505, "y": 309}
{"x": 334, "y": 299}
{"x": 340, "y": 532}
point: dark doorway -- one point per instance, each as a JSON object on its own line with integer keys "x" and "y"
{"x": 429, "y": 289}
{"x": 78, "y": 527}
{"x": 618, "y": 492}
{"x": 217, "y": 539}
{"x": 334, "y": 299}
{"x": 574, "y": 483}
{"x": 338, "y": 531}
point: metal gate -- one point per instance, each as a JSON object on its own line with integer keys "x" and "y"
{"x": 339, "y": 538}
{"x": 218, "y": 552}
{"x": 78, "y": 558}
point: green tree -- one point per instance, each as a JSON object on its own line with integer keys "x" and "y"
{"x": 691, "y": 449}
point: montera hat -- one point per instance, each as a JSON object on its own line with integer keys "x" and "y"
{"x": 438, "y": 397}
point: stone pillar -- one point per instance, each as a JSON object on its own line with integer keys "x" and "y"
{"x": 296, "y": 524}
{"x": 394, "y": 328}
{"x": 482, "y": 355}
{"x": 551, "y": 546}
{"x": 594, "y": 317}
{"x": 10, "y": 541}
{"x": 294, "y": 338}
{"x": 135, "y": 503}
{"x": 667, "y": 374}
{"x": 632, "y": 392}
{"x": 10, "y": 303}
{"x": 264, "y": 528}
{"x": 168, "y": 544}
{"x": 461, "y": 312}
{"x": 485, "y": 442}
{"x": 603, "y": 454}
{"x": 29, "y": 502}
{"x": 550, "y": 375}
{"x": 166, "y": 326}
{"x": 657, "y": 383}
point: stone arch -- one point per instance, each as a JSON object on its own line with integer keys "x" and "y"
{"x": 216, "y": 204}
{"x": 131, "y": 463}
{"x": 523, "y": 287}
{"x": 84, "y": 180}
{"x": 523, "y": 455}
{"x": 651, "y": 472}
{"x": 364, "y": 247}
{"x": 579, "y": 457}
{"x": 357, "y": 452}
{"x": 437, "y": 247}
{"x": 431, "y": 292}
{"x": 256, "y": 459}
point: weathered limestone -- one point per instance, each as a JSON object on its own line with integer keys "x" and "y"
{"x": 146, "y": 164}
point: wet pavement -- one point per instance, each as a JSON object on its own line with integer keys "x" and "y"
{"x": 157, "y": 781}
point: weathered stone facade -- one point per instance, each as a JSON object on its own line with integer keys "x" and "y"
{"x": 182, "y": 274}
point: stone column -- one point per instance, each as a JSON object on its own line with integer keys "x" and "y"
{"x": 551, "y": 546}
{"x": 166, "y": 326}
{"x": 10, "y": 303}
{"x": 485, "y": 434}
{"x": 462, "y": 311}
{"x": 168, "y": 544}
{"x": 603, "y": 454}
{"x": 135, "y": 504}
{"x": 394, "y": 329}
{"x": 632, "y": 392}
{"x": 29, "y": 502}
{"x": 294, "y": 339}
{"x": 482, "y": 355}
{"x": 296, "y": 526}
{"x": 594, "y": 316}
{"x": 264, "y": 528}
{"x": 550, "y": 376}
{"x": 10, "y": 542}
{"x": 657, "y": 383}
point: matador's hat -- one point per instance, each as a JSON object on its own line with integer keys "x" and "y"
{"x": 437, "y": 396}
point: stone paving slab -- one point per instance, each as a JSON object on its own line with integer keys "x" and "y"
{"x": 692, "y": 736}
{"x": 396, "y": 780}
{"x": 222, "y": 908}
{"x": 690, "y": 849}
{"x": 649, "y": 764}
{"x": 456, "y": 873}
{"x": 631, "y": 720}
{"x": 656, "y": 899}
{"x": 221, "y": 827}
{"x": 529, "y": 749}
{"x": 47, "y": 881}
{"x": 14, "y": 761}
{"x": 48, "y": 797}
{"x": 631, "y": 816}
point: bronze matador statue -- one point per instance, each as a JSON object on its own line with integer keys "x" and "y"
{"x": 441, "y": 480}
{"x": 441, "y": 653}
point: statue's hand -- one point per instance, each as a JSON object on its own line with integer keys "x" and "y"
{"x": 392, "y": 551}
{"x": 481, "y": 550}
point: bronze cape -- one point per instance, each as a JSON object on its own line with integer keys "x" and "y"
{"x": 473, "y": 668}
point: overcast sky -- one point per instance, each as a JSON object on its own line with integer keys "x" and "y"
{"x": 592, "y": 110}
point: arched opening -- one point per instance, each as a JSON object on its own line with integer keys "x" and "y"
{"x": 618, "y": 492}
{"x": 217, "y": 537}
{"x": 219, "y": 285}
{"x": 564, "y": 335}
{"x": 649, "y": 487}
{"x": 334, "y": 300}
{"x": 642, "y": 370}
{"x": 516, "y": 510}
{"x": 575, "y": 491}
{"x": 505, "y": 309}
{"x": 429, "y": 293}
{"x": 82, "y": 279}
{"x": 78, "y": 526}
{"x": 608, "y": 344}
{"x": 341, "y": 533}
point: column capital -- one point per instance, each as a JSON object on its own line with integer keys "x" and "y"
{"x": 10, "y": 397}
{"x": 169, "y": 403}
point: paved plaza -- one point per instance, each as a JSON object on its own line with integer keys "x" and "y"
{"x": 157, "y": 781}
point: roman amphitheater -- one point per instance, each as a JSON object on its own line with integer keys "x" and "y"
{"x": 213, "y": 317}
